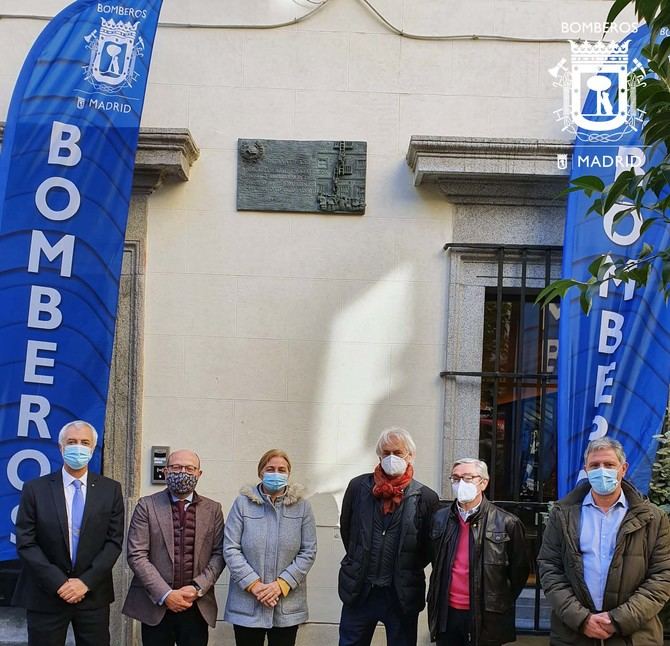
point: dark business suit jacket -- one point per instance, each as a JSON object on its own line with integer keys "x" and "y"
{"x": 151, "y": 556}
{"x": 43, "y": 543}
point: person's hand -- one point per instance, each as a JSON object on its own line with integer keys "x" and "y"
{"x": 189, "y": 593}
{"x": 594, "y": 627}
{"x": 72, "y": 591}
{"x": 605, "y": 622}
{"x": 264, "y": 594}
{"x": 270, "y": 594}
{"x": 176, "y": 601}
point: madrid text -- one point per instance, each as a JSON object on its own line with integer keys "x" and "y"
{"x": 617, "y": 161}
{"x": 109, "y": 106}
{"x": 43, "y": 309}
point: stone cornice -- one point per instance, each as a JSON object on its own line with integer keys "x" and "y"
{"x": 477, "y": 170}
{"x": 163, "y": 154}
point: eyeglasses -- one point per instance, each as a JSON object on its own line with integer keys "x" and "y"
{"x": 178, "y": 468}
{"x": 455, "y": 479}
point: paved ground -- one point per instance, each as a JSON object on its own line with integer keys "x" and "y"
{"x": 12, "y": 633}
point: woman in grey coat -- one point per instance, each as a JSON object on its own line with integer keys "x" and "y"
{"x": 269, "y": 545}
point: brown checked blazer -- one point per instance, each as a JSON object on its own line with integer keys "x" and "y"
{"x": 151, "y": 556}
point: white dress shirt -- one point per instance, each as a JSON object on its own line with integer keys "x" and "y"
{"x": 68, "y": 488}
{"x": 188, "y": 500}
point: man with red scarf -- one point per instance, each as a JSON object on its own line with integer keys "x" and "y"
{"x": 384, "y": 526}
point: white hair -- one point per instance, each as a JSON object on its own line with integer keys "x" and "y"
{"x": 395, "y": 433}
{"x": 77, "y": 422}
{"x": 480, "y": 465}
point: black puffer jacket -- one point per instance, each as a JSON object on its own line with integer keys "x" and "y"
{"x": 356, "y": 523}
{"x": 498, "y": 570}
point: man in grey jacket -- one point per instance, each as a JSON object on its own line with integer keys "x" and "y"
{"x": 175, "y": 551}
{"x": 605, "y": 558}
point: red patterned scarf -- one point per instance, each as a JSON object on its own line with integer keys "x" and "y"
{"x": 390, "y": 489}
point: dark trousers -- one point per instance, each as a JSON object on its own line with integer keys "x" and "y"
{"x": 459, "y": 626}
{"x": 256, "y": 636}
{"x": 357, "y": 624}
{"x": 186, "y": 628}
{"x": 90, "y": 627}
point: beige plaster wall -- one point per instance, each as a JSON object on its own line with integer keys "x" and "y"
{"x": 314, "y": 332}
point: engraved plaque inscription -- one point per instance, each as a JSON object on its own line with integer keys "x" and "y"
{"x": 304, "y": 176}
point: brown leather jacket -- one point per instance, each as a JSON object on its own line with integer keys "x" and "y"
{"x": 498, "y": 570}
{"x": 638, "y": 583}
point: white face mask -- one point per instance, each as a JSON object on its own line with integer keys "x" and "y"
{"x": 394, "y": 465}
{"x": 465, "y": 491}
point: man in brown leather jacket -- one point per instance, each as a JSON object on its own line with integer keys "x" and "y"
{"x": 605, "y": 558}
{"x": 480, "y": 564}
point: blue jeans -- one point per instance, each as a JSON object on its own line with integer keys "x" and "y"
{"x": 357, "y": 624}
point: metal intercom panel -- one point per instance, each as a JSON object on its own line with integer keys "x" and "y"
{"x": 159, "y": 457}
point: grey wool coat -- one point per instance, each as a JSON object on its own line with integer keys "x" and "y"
{"x": 265, "y": 541}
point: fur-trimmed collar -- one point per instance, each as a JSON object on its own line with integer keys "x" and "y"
{"x": 294, "y": 493}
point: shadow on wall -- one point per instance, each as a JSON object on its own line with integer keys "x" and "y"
{"x": 376, "y": 366}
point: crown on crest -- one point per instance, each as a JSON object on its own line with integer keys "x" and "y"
{"x": 125, "y": 30}
{"x": 599, "y": 52}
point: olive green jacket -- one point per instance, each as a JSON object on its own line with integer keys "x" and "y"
{"x": 638, "y": 583}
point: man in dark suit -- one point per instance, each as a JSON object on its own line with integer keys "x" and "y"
{"x": 69, "y": 533}
{"x": 175, "y": 550}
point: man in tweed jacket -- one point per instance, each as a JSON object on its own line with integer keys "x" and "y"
{"x": 175, "y": 552}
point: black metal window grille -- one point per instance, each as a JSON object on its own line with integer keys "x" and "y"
{"x": 518, "y": 378}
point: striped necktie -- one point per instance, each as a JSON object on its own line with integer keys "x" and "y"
{"x": 77, "y": 515}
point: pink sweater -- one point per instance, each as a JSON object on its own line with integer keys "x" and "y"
{"x": 459, "y": 586}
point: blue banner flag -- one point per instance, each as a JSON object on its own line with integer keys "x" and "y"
{"x": 614, "y": 364}
{"x": 66, "y": 173}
